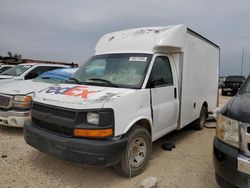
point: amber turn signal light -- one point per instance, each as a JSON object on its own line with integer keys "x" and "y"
{"x": 98, "y": 133}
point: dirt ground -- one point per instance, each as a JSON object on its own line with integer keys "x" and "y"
{"x": 188, "y": 165}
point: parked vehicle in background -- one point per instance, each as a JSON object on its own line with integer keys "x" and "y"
{"x": 5, "y": 67}
{"x": 232, "y": 141}
{"x": 221, "y": 81}
{"x": 139, "y": 86}
{"x": 232, "y": 84}
{"x": 57, "y": 75}
{"x": 16, "y": 97}
{"x": 26, "y": 72}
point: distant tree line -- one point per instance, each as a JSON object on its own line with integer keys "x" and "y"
{"x": 11, "y": 55}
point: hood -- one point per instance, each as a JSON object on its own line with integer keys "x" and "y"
{"x": 7, "y": 81}
{"x": 79, "y": 96}
{"x": 238, "y": 108}
{"x": 6, "y": 77}
{"x": 23, "y": 87}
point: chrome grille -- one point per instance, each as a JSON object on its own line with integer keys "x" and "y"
{"x": 245, "y": 138}
{"x": 5, "y": 101}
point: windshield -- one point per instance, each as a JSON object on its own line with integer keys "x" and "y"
{"x": 114, "y": 70}
{"x": 246, "y": 86}
{"x": 17, "y": 70}
{"x": 2, "y": 69}
{"x": 235, "y": 79}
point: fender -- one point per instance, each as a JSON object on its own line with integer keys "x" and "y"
{"x": 138, "y": 119}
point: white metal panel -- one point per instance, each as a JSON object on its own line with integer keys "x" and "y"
{"x": 165, "y": 105}
{"x": 129, "y": 108}
{"x": 23, "y": 87}
{"x": 79, "y": 96}
{"x": 199, "y": 78}
{"x": 142, "y": 40}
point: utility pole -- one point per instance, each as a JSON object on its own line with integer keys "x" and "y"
{"x": 242, "y": 60}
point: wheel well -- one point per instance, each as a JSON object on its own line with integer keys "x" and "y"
{"x": 144, "y": 123}
{"x": 206, "y": 106}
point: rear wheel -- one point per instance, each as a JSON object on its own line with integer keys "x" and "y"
{"x": 201, "y": 121}
{"x": 137, "y": 153}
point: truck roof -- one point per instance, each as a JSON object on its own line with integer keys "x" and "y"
{"x": 146, "y": 40}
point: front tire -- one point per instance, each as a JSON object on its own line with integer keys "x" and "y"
{"x": 136, "y": 155}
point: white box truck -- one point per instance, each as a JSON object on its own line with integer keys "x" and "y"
{"x": 140, "y": 85}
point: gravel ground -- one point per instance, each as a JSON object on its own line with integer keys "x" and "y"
{"x": 188, "y": 165}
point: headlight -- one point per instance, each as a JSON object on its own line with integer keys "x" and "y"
{"x": 228, "y": 130}
{"x": 22, "y": 101}
{"x": 93, "y": 118}
{"x": 96, "y": 124}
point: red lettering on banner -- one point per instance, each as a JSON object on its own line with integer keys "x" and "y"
{"x": 79, "y": 91}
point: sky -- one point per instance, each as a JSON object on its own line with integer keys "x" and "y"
{"x": 63, "y": 30}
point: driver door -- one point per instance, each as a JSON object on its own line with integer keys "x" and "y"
{"x": 165, "y": 104}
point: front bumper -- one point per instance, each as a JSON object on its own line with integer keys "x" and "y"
{"x": 79, "y": 150}
{"x": 13, "y": 118}
{"x": 230, "y": 89}
{"x": 230, "y": 165}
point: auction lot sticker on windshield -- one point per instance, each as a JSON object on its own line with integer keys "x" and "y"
{"x": 138, "y": 59}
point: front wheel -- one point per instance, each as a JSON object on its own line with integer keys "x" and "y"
{"x": 201, "y": 121}
{"x": 136, "y": 155}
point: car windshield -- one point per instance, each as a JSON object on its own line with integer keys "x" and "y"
{"x": 235, "y": 79}
{"x": 17, "y": 70}
{"x": 246, "y": 86}
{"x": 114, "y": 70}
{"x": 2, "y": 69}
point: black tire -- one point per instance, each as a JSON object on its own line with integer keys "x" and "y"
{"x": 199, "y": 124}
{"x": 127, "y": 167}
{"x": 223, "y": 183}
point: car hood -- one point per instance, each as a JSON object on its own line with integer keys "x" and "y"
{"x": 79, "y": 96}
{"x": 23, "y": 87}
{"x": 238, "y": 108}
{"x": 6, "y": 77}
{"x": 7, "y": 81}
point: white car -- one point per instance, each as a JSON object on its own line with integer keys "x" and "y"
{"x": 16, "y": 97}
{"x": 5, "y": 67}
{"x": 26, "y": 72}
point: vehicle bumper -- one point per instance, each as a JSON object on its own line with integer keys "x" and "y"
{"x": 78, "y": 150}
{"x": 230, "y": 165}
{"x": 13, "y": 118}
{"x": 235, "y": 89}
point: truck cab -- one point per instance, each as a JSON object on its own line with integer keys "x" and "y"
{"x": 138, "y": 87}
{"x": 232, "y": 142}
{"x": 232, "y": 84}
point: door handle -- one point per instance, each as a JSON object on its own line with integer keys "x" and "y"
{"x": 175, "y": 93}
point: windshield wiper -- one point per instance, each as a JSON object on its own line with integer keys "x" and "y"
{"x": 73, "y": 79}
{"x": 103, "y": 80}
{"x": 45, "y": 77}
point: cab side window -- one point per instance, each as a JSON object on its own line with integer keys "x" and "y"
{"x": 161, "y": 74}
{"x": 39, "y": 70}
